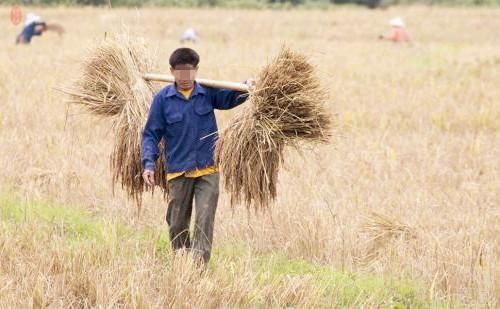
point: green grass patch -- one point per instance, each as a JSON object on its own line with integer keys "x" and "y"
{"x": 73, "y": 222}
{"x": 347, "y": 289}
{"x": 78, "y": 227}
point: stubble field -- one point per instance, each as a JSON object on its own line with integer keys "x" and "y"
{"x": 402, "y": 209}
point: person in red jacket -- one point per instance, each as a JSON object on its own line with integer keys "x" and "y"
{"x": 398, "y": 32}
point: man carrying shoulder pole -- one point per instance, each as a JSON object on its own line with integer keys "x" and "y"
{"x": 183, "y": 115}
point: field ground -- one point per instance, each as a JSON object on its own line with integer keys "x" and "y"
{"x": 400, "y": 210}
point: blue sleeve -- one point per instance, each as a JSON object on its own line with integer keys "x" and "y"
{"x": 227, "y": 99}
{"x": 153, "y": 132}
{"x": 28, "y": 32}
{"x": 39, "y": 24}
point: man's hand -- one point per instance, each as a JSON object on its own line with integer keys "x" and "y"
{"x": 149, "y": 177}
{"x": 250, "y": 83}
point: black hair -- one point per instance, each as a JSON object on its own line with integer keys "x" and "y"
{"x": 184, "y": 55}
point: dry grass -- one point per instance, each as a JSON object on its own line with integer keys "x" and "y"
{"x": 418, "y": 142}
{"x": 286, "y": 107}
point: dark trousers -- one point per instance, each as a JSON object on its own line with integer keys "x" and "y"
{"x": 181, "y": 192}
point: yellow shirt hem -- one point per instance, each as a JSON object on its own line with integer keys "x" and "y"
{"x": 193, "y": 173}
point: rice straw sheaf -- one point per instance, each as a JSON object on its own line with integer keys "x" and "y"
{"x": 111, "y": 87}
{"x": 286, "y": 107}
{"x": 381, "y": 230}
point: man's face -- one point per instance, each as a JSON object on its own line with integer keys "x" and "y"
{"x": 184, "y": 75}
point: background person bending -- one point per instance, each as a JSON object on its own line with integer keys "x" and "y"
{"x": 35, "y": 26}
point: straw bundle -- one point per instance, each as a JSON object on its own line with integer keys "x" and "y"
{"x": 112, "y": 87}
{"x": 286, "y": 107}
{"x": 381, "y": 230}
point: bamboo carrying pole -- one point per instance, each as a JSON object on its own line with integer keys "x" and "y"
{"x": 205, "y": 82}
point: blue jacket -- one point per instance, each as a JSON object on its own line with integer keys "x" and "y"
{"x": 188, "y": 127}
{"x": 29, "y": 31}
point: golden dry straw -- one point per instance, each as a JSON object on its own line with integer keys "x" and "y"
{"x": 112, "y": 88}
{"x": 381, "y": 230}
{"x": 380, "y": 227}
{"x": 286, "y": 107}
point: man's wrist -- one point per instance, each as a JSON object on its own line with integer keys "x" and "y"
{"x": 149, "y": 167}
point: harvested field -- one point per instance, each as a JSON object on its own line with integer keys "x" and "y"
{"x": 402, "y": 208}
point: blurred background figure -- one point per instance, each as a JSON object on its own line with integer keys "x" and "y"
{"x": 189, "y": 35}
{"x": 34, "y": 25}
{"x": 398, "y": 31}
{"x": 16, "y": 15}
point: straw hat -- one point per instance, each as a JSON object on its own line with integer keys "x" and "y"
{"x": 189, "y": 35}
{"x": 31, "y": 18}
{"x": 397, "y": 22}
